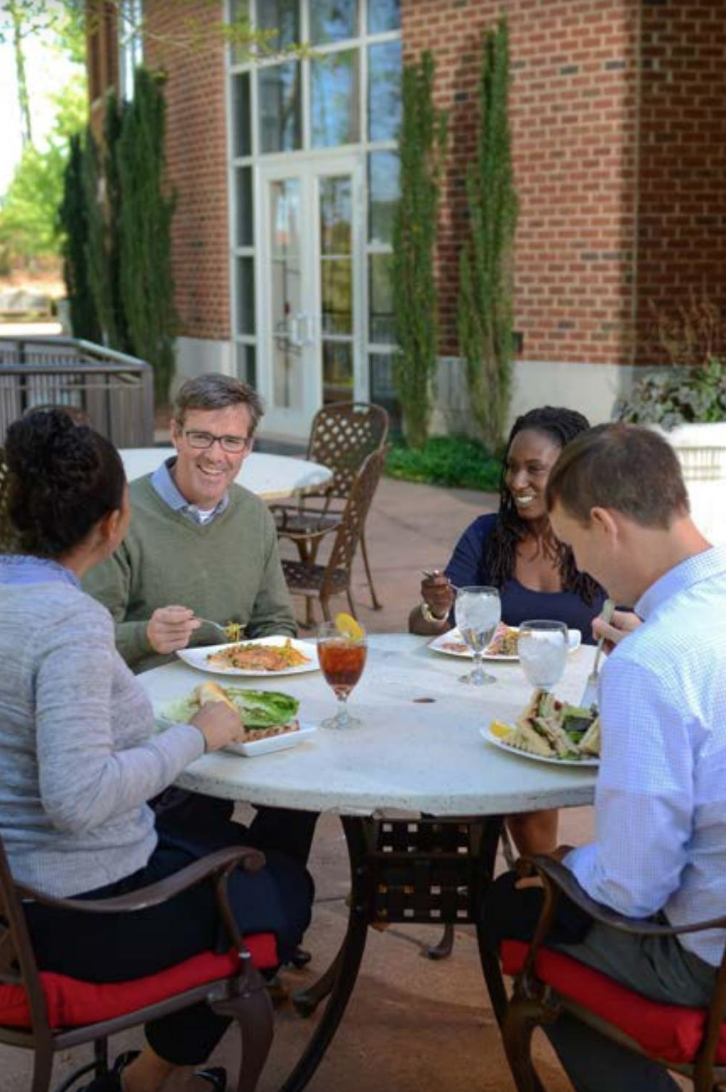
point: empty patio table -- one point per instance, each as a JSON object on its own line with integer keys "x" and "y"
{"x": 419, "y": 752}
{"x": 270, "y": 477}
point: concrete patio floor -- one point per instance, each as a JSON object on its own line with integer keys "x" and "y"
{"x": 412, "y": 1025}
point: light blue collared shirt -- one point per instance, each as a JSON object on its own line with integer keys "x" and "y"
{"x": 26, "y": 569}
{"x": 166, "y": 487}
{"x": 660, "y": 800}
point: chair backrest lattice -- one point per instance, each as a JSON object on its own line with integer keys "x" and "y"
{"x": 354, "y": 514}
{"x": 342, "y": 435}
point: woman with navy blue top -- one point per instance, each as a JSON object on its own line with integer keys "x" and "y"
{"x": 515, "y": 550}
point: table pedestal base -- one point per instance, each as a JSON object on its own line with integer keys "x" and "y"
{"x": 434, "y": 871}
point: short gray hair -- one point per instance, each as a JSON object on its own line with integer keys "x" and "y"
{"x": 214, "y": 391}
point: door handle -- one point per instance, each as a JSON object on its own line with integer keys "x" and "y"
{"x": 307, "y": 324}
{"x": 294, "y": 332}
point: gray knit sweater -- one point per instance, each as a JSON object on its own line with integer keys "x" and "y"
{"x": 78, "y": 758}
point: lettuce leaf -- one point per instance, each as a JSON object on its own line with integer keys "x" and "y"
{"x": 258, "y": 708}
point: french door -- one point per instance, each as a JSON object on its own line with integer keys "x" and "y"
{"x": 311, "y": 288}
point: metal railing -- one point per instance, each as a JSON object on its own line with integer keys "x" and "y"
{"x": 115, "y": 391}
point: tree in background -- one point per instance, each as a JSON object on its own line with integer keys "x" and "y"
{"x": 29, "y": 208}
{"x": 486, "y": 296}
{"x": 415, "y": 301}
{"x": 74, "y": 218}
{"x": 145, "y": 216}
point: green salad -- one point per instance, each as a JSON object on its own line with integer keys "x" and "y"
{"x": 258, "y": 708}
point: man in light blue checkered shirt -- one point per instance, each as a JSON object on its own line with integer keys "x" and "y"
{"x": 617, "y": 497}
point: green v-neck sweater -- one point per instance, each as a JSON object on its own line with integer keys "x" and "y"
{"x": 227, "y": 569}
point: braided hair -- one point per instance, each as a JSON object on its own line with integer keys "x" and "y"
{"x": 561, "y": 425}
{"x": 64, "y": 478}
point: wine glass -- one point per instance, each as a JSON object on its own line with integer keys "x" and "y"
{"x": 342, "y": 659}
{"x": 478, "y": 611}
{"x": 542, "y": 647}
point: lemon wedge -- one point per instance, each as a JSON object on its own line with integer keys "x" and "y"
{"x": 348, "y": 626}
{"x": 499, "y": 729}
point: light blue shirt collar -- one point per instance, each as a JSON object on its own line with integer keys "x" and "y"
{"x": 164, "y": 484}
{"x": 692, "y": 571}
{"x": 26, "y": 569}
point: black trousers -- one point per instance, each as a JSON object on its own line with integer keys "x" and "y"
{"x": 113, "y": 948}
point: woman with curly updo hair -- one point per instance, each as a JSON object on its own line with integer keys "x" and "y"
{"x": 515, "y": 550}
{"x": 79, "y": 757}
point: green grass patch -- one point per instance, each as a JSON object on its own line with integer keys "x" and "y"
{"x": 455, "y": 461}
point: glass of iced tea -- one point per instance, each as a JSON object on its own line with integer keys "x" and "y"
{"x": 342, "y": 659}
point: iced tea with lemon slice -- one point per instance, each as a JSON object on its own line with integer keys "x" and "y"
{"x": 342, "y": 650}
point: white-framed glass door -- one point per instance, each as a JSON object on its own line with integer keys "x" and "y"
{"x": 311, "y": 348}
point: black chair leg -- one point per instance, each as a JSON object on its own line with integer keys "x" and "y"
{"x": 443, "y": 949}
{"x": 255, "y": 1019}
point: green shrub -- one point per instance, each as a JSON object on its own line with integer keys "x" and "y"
{"x": 677, "y": 397}
{"x": 454, "y": 461}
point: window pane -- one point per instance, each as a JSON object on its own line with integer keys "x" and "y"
{"x": 336, "y": 275}
{"x": 337, "y": 371}
{"x": 285, "y": 286}
{"x": 245, "y": 224}
{"x": 336, "y": 233}
{"x": 384, "y": 90}
{"x": 241, "y": 114}
{"x": 279, "y": 97}
{"x": 384, "y": 192}
{"x": 245, "y": 296}
{"x": 281, "y": 16}
{"x": 383, "y": 391}
{"x": 239, "y": 17}
{"x": 381, "y": 299}
{"x": 383, "y": 15}
{"x": 333, "y": 20}
{"x": 334, "y": 108}
{"x": 247, "y": 364}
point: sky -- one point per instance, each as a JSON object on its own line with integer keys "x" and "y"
{"x": 47, "y": 72}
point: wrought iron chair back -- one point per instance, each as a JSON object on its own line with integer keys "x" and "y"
{"x": 324, "y": 581}
{"x": 342, "y": 435}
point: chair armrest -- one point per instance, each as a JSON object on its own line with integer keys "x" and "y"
{"x": 221, "y": 861}
{"x": 555, "y": 874}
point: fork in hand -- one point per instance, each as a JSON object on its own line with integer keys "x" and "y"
{"x": 589, "y": 697}
{"x": 224, "y": 630}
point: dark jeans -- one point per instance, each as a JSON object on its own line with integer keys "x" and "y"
{"x": 182, "y": 815}
{"x": 113, "y": 948}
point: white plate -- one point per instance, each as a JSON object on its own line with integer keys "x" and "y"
{"x": 273, "y": 743}
{"x": 573, "y": 635}
{"x": 489, "y": 736}
{"x": 197, "y": 657}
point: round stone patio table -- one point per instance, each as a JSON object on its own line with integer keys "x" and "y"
{"x": 420, "y": 794}
{"x": 270, "y": 477}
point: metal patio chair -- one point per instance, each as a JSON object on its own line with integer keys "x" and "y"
{"x": 549, "y": 982}
{"x": 342, "y": 435}
{"x": 315, "y": 581}
{"x": 46, "y": 1012}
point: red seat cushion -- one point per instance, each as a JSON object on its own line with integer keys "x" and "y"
{"x": 671, "y": 1032}
{"x": 72, "y": 1003}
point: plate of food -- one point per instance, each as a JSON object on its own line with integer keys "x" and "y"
{"x": 549, "y": 730}
{"x": 263, "y": 656}
{"x": 270, "y": 718}
{"x": 503, "y": 645}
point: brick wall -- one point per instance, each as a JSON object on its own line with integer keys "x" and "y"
{"x": 682, "y": 198}
{"x": 573, "y": 115}
{"x": 196, "y": 158}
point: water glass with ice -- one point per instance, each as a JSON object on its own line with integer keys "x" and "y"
{"x": 478, "y": 611}
{"x": 542, "y": 647}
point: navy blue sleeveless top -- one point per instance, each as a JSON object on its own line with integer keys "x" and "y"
{"x": 519, "y": 604}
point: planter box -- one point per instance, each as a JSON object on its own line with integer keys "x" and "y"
{"x": 702, "y": 453}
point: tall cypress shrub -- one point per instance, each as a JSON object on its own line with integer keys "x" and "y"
{"x": 144, "y": 230}
{"x": 113, "y": 123}
{"x": 486, "y": 296}
{"x": 73, "y": 220}
{"x": 415, "y": 300}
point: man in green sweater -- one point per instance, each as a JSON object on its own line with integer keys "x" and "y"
{"x": 199, "y": 545}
